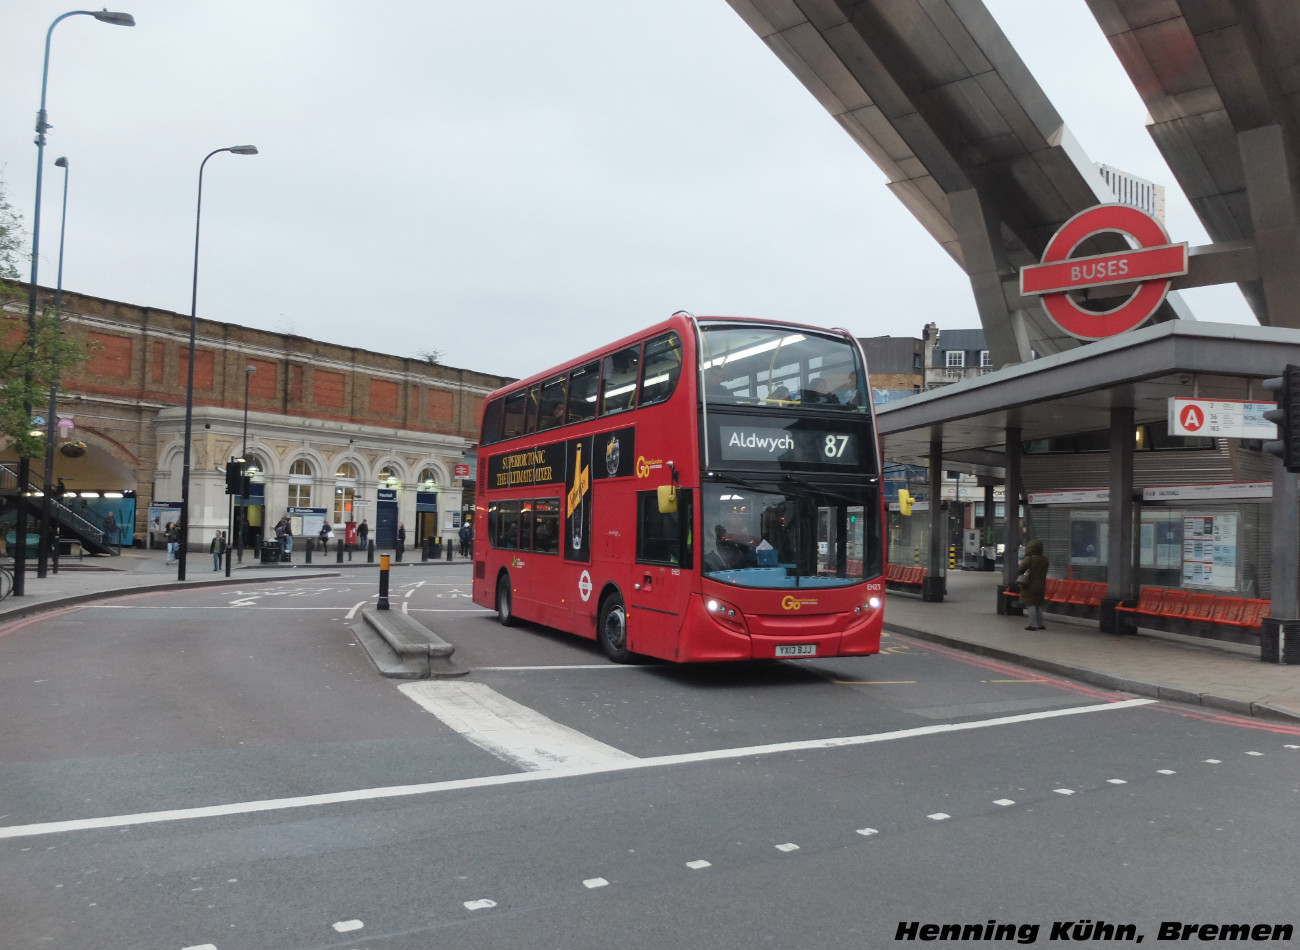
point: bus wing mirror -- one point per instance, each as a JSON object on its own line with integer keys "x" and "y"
{"x": 667, "y": 499}
{"x": 904, "y": 502}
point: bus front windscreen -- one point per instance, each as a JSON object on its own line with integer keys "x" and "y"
{"x": 779, "y": 367}
{"x": 801, "y": 535}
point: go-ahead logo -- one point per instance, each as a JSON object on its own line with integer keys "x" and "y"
{"x": 645, "y": 466}
{"x": 790, "y": 602}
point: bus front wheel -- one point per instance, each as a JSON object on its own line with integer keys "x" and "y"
{"x": 505, "y": 607}
{"x": 612, "y": 631}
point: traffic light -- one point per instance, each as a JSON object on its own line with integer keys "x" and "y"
{"x": 234, "y": 476}
{"x": 1286, "y": 390}
{"x": 904, "y": 501}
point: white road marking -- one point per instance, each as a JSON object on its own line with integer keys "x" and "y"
{"x": 1116, "y": 781}
{"x": 698, "y": 865}
{"x": 514, "y": 778}
{"x": 868, "y": 832}
{"x": 1063, "y": 791}
{"x": 343, "y": 926}
{"x": 202, "y": 946}
{"x": 1166, "y": 772}
{"x": 595, "y": 882}
{"x": 1214, "y": 761}
{"x": 1004, "y": 802}
{"x": 509, "y": 730}
{"x": 533, "y": 669}
{"x": 939, "y": 816}
{"x": 483, "y": 904}
{"x": 787, "y": 847}
{"x": 353, "y": 612}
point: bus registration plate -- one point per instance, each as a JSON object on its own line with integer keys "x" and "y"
{"x": 797, "y": 649}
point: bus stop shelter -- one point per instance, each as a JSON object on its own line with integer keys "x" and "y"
{"x": 1108, "y": 391}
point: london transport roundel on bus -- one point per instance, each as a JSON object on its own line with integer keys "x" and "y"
{"x": 1150, "y": 265}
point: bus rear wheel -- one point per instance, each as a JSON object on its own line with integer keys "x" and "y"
{"x": 612, "y": 629}
{"x": 505, "y": 607}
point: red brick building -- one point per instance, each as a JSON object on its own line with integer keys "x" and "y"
{"x": 328, "y": 426}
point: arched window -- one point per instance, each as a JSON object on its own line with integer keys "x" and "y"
{"x": 345, "y": 492}
{"x": 300, "y": 479}
{"x": 388, "y": 478}
{"x": 428, "y": 480}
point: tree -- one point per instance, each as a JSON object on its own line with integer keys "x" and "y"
{"x": 26, "y": 371}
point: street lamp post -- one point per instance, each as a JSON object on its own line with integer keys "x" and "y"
{"x": 43, "y": 557}
{"x": 42, "y": 125}
{"x": 189, "y": 379}
{"x": 243, "y": 455}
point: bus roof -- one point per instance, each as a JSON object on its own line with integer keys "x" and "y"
{"x": 679, "y": 321}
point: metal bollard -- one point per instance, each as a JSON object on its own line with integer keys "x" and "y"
{"x": 450, "y": 549}
{"x": 307, "y": 548}
{"x": 383, "y": 582}
{"x": 370, "y": 552}
{"x": 424, "y": 550}
{"x": 338, "y": 552}
{"x": 397, "y": 552}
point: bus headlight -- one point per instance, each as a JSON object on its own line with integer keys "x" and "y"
{"x": 720, "y": 609}
{"x": 874, "y": 603}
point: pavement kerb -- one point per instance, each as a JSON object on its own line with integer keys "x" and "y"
{"x": 1107, "y": 680}
{"x": 22, "y": 611}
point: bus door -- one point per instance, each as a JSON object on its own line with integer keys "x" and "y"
{"x": 662, "y": 573}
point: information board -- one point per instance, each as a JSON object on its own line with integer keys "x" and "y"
{"x": 1210, "y": 551}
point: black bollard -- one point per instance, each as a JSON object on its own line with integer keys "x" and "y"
{"x": 370, "y": 552}
{"x": 338, "y": 552}
{"x": 383, "y": 582}
{"x": 449, "y": 550}
{"x": 398, "y": 552}
{"x": 424, "y": 550}
{"x": 307, "y": 548}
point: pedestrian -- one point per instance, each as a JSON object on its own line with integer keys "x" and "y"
{"x": 363, "y": 532}
{"x": 110, "y": 528}
{"x": 1033, "y": 583}
{"x": 326, "y": 533}
{"x": 218, "y": 549}
{"x": 171, "y": 535}
{"x": 401, "y": 536}
{"x": 284, "y": 534}
{"x": 465, "y": 537}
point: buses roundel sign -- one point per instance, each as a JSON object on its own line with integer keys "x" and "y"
{"x": 1150, "y": 265}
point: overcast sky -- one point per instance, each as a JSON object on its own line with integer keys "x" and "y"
{"x": 510, "y": 183}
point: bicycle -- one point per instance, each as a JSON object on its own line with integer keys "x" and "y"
{"x": 6, "y": 583}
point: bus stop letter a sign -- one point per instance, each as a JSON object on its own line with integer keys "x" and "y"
{"x": 1150, "y": 265}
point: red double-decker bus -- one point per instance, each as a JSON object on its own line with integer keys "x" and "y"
{"x": 708, "y": 489}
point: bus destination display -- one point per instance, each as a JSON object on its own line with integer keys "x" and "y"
{"x": 742, "y": 441}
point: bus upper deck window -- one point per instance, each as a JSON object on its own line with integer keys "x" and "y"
{"x": 551, "y": 407}
{"x": 662, "y": 367}
{"x": 492, "y": 422}
{"x": 584, "y": 384}
{"x": 530, "y": 408}
{"x": 620, "y": 379}
{"x": 513, "y": 425}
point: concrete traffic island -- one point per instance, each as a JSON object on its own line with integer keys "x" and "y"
{"x": 402, "y": 648}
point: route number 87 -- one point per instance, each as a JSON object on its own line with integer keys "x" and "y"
{"x": 835, "y": 446}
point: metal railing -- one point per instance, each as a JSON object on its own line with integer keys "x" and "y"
{"x": 61, "y": 513}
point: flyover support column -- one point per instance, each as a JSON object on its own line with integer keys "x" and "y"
{"x": 1279, "y": 640}
{"x": 1119, "y": 544}
{"x": 934, "y": 586}
{"x": 1011, "y": 525}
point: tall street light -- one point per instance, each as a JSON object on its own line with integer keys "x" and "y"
{"x": 243, "y": 455}
{"x": 189, "y": 379}
{"x": 42, "y": 125}
{"x": 44, "y": 547}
